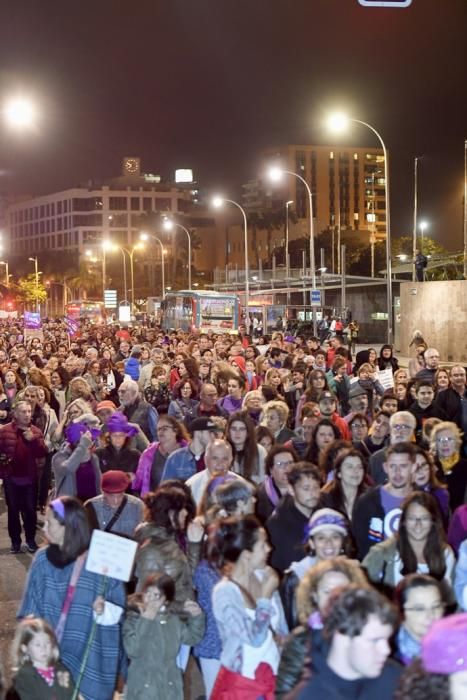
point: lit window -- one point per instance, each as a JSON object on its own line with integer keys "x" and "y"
{"x": 355, "y": 156}
{"x": 355, "y": 216}
{"x": 331, "y": 155}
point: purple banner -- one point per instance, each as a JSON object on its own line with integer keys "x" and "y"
{"x": 32, "y": 321}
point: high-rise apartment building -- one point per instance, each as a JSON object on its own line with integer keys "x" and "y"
{"x": 347, "y": 185}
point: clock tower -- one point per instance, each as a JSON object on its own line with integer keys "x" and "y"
{"x": 131, "y": 166}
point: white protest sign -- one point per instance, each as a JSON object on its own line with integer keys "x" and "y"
{"x": 386, "y": 378}
{"x": 111, "y": 555}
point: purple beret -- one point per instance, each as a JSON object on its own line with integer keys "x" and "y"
{"x": 444, "y": 648}
{"x": 118, "y": 423}
{"x": 74, "y": 431}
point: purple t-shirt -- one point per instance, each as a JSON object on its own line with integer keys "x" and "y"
{"x": 86, "y": 481}
{"x": 392, "y": 513}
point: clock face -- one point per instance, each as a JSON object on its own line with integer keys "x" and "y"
{"x": 131, "y": 165}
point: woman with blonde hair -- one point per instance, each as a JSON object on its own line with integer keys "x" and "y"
{"x": 445, "y": 446}
{"x": 275, "y": 416}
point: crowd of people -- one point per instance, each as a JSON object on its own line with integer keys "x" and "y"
{"x": 300, "y": 515}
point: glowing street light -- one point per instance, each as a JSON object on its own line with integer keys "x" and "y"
{"x": 19, "y": 113}
{"x": 423, "y": 228}
{"x": 339, "y": 122}
{"x": 218, "y": 202}
{"x": 169, "y": 225}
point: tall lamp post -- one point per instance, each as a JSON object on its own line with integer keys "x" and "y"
{"x": 275, "y": 174}
{"x": 36, "y": 272}
{"x": 169, "y": 226}
{"x": 423, "y": 228}
{"x": 287, "y": 266}
{"x": 145, "y": 237}
{"x": 107, "y": 245}
{"x": 340, "y": 122}
{"x": 218, "y": 202}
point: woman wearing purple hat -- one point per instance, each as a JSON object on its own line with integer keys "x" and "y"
{"x": 441, "y": 672}
{"x": 117, "y": 452}
{"x": 75, "y": 465}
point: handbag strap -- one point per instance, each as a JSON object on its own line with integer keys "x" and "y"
{"x": 116, "y": 515}
{"x": 70, "y": 593}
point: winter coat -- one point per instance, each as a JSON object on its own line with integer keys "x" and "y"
{"x": 28, "y": 683}
{"x": 10, "y": 435}
{"x": 65, "y": 464}
{"x": 383, "y": 562}
{"x": 152, "y": 647}
{"x": 144, "y": 415}
{"x": 159, "y": 552}
{"x": 125, "y": 460}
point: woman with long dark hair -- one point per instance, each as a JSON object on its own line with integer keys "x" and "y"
{"x": 324, "y": 435}
{"x": 249, "y": 457}
{"x": 244, "y": 610}
{"x": 419, "y": 546}
{"x": 425, "y": 479}
{"x": 348, "y": 483}
{"x": 168, "y": 512}
{"x": 63, "y": 592}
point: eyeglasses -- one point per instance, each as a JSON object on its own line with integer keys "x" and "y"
{"x": 161, "y": 428}
{"x": 421, "y": 610}
{"x": 401, "y": 426}
{"x": 284, "y": 465}
{"x": 358, "y": 425}
{"x": 442, "y": 440}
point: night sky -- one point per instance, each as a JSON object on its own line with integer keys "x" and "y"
{"x": 208, "y": 83}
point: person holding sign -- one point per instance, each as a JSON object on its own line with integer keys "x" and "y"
{"x": 70, "y": 598}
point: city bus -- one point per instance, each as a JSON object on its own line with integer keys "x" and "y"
{"x": 86, "y": 309}
{"x": 202, "y": 311}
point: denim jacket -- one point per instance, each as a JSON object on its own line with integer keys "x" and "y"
{"x": 460, "y": 580}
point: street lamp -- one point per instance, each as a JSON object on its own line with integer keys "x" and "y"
{"x": 340, "y": 122}
{"x": 130, "y": 252}
{"x": 217, "y": 203}
{"x": 7, "y": 276}
{"x": 168, "y": 226}
{"x": 276, "y": 174}
{"x": 287, "y": 266}
{"x": 423, "y": 228}
{"x": 19, "y": 113}
{"x": 106, "y": 246}
{"x": 34, "y": 260}
{"x": 145, "y": 237}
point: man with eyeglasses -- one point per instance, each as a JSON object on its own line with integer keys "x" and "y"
{"x": 377, "y": 511}
{"x": 401, "y": 429}
{"x": 431, "y": 358}
{"x": 424, "y": 407}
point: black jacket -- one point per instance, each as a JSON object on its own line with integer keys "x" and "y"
{"x": 450, "y": 402}
{"x": 368, "y": 511}
{"x": 327, "y": 685}
{"x": 286, "y": 533}
{"x": 125, "y": 460}
{"x": 421, "y": 414}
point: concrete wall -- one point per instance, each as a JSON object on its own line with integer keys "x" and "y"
{"x": 439, "y": 311}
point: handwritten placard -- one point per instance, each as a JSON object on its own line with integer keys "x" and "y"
{"x": 386, "y": 378}
{"x": 111, "y": 555}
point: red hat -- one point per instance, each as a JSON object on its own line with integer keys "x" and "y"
{"x": 106, "y": 404}
{"x": 115, "y": 481}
